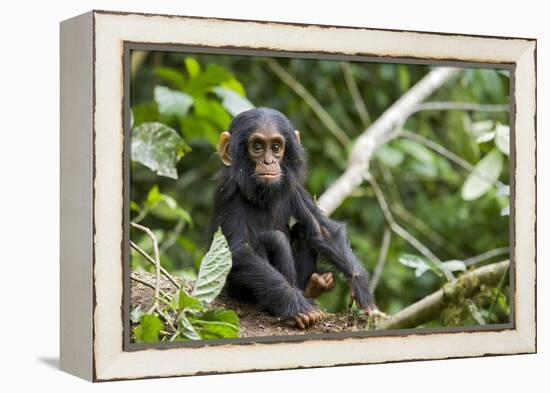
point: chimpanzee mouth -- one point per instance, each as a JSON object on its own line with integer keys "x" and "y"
{"x": 268, "y": 176}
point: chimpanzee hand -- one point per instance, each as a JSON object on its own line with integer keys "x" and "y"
{"x": 308, "y": 318}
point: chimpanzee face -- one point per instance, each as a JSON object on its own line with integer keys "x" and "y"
{"x": 266, "y": 150}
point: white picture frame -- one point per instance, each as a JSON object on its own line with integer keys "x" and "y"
{"x": 93, "y": 48}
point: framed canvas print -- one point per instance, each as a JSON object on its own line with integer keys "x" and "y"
{"x": 245, "y": 195}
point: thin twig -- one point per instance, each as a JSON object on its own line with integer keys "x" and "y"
{"x": 449, "y": 155}
{"x": 173, "y": 238}
{"x": 164, "y": 295}
{"x": 149, "y": 259}
{"x": 459, "y": 106}
{"x": 156, "y": 255}
{"x": 486, "y": 255}
{"x": 165, "y": 316}
{"x": 355, "y": 94}
{"x": 386, "y": 239}
{"x": 402, "y": 232}
{"x": 308, "y": 98}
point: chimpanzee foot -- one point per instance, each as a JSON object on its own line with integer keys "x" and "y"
{"x": 319, "y": 284}
{"x": 308, "y": 319}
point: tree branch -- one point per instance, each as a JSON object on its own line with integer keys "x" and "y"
{"x": 431, "y": 306}
{"x": 355, "y": 94}
{"x": 308, "y": 98}
{"x": 378, "y": 133}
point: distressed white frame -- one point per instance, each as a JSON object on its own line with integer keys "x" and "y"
{"x": 92, "y": 72}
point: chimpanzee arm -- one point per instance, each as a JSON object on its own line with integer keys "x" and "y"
{"x": 328, "y": 238}
{"x": 268, "y": 286}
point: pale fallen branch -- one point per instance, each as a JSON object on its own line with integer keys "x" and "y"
{"x": 379, "y": 133}
{"x": 430, "y": 307}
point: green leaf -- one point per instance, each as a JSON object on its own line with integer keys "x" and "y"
{"x": 218, "y": 323}
{"x": 421, "y": 265}
{"x": 454, "y": 265}
{"x": 148, "y": 329}
{"x": 158, "y": 147}
{"x": 172, "y": 103}
{"x": 502, "y": 139}
{"x": 232, "y": 101}
{"x": 485, "y": 173}
{"x": 485, "y": 137}
{"x": 170, "y": 75}
{"x": 193, "y": 67}
{"x": 194, "y": 127}
{"x": 144, "y": 113}
{"x": 187, "y": 330}
{"x": 215, "y": 267}
{"x": 186, "y": 302}
{"x": 416, "y": 150}
{"x": 165, "y": 207}
{"x": 221, "y": 315}
{"x": 213, "y": 111}
{"x": 234, "y": 85}
{"x": 212, "y": 330}
{"x": 390, "y": 156}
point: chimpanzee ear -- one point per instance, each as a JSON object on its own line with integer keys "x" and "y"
{"x": 223, "y": 148}
{"x": 297, "y": 133}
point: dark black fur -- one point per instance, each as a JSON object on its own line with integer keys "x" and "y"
{"x": 272, "y": 263}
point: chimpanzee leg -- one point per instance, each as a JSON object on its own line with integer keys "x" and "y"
{"x": 304, "y": 256}
{"x": 279, "y": 253}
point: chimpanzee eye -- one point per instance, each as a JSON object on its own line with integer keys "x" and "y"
{"x": 276, "y": 147}
{"x": 257, "y": 147}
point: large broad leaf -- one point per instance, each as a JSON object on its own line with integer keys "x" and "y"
{"x": 232, "y": 101}
{"x": 172, "y": 103}
{"x": 485, "y": 173}
{"x": 158, "y": 147}
{"x": 187, "y": 330}
{"x": 215, "y": 267}
{"x": 148, "y": 329}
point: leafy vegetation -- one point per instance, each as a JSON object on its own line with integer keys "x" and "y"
{"x": 188, "y": 316}
{"x": 445, "y": 180}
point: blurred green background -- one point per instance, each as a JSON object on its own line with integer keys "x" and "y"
{"x": 181, "y": 102}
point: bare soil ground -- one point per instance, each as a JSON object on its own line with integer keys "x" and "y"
{"x": 254, "y": 322}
